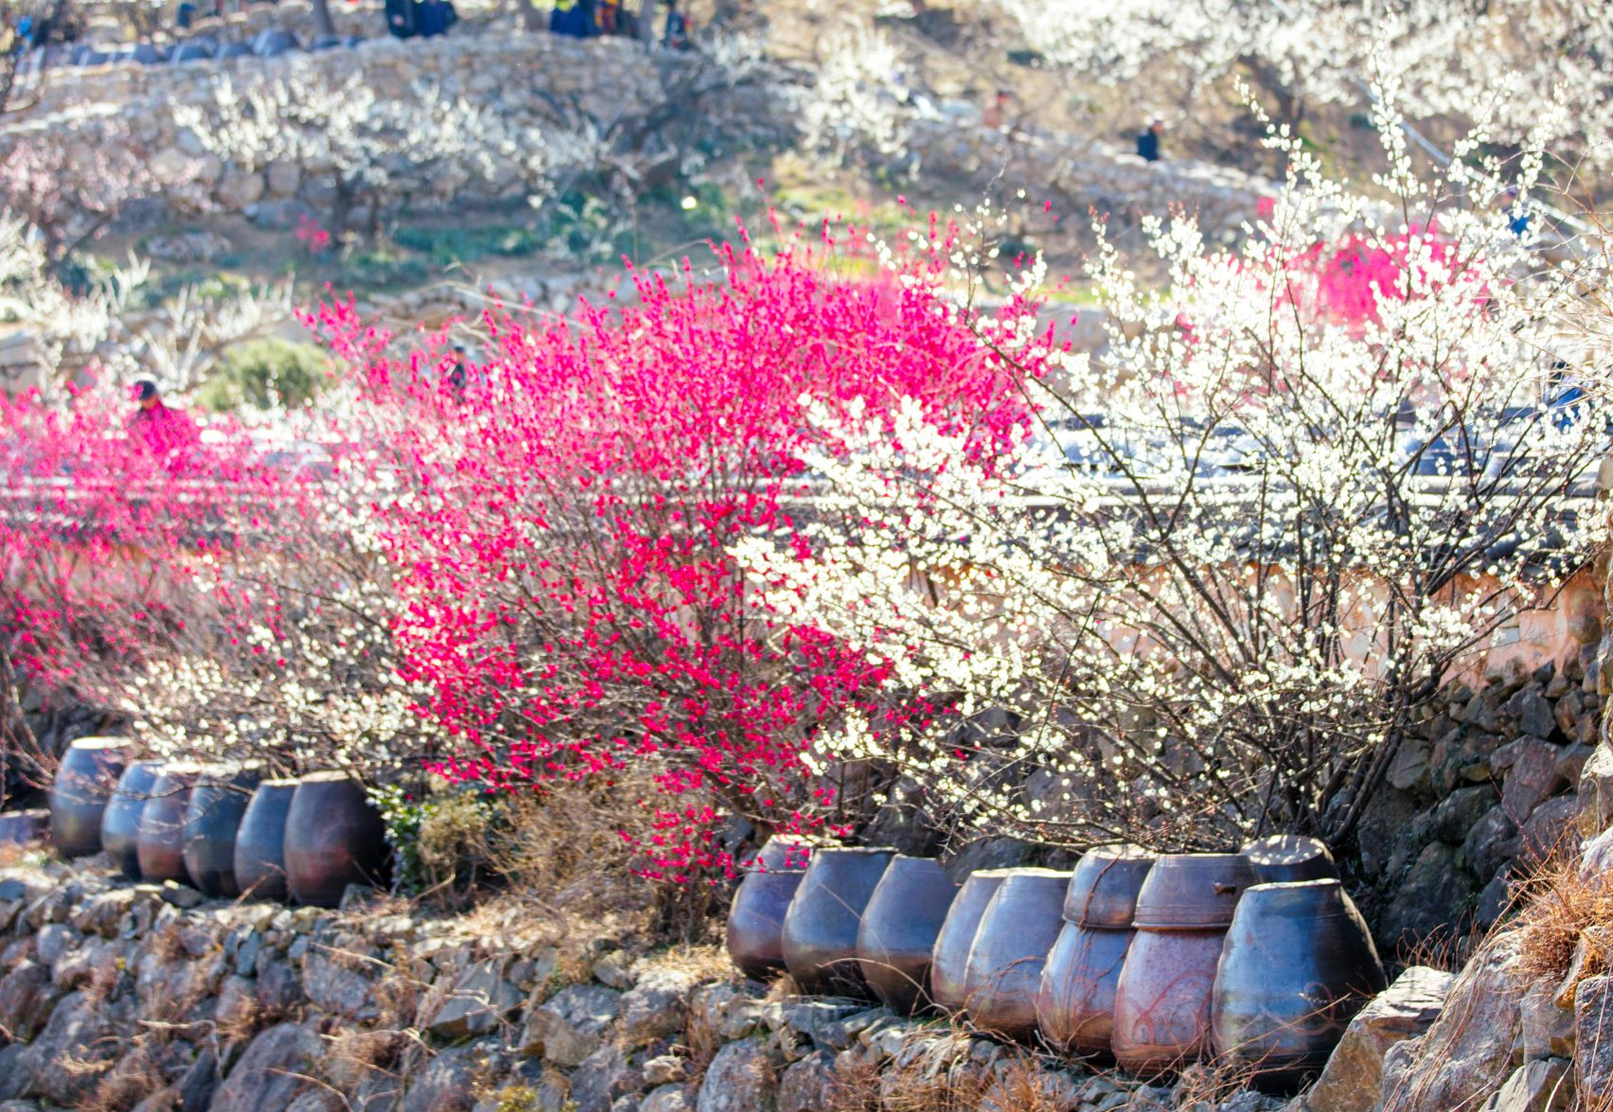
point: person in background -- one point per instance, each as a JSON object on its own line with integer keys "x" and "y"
{"x": 610, "y": 12}
{"x": 1148, "y": 141}
{"x": 458, "y": 374}
{"x": 996, "y": 113}
{"x": 434, "y": 17}
{"x": 159, "y": 429}
{"x": 676, "y": 36}
{"x": 186, "y": 16}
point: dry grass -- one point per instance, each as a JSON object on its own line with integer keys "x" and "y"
{"x": 352, "y": 1056}
{"x": 246, "y": 1021}
{"x": 134, "y": 1079}
{"x": 933, "y": 1080}
{"x": 1559, "y": 909}
{"x": 168, "y": 944}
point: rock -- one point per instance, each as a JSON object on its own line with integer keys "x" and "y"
{"x": 197, "y": 1085}
{"x": 26, "y": 998}
{"x": 1548, "y": 1027}
{"x": 476, "y": 1003}
{"x": 1596, "y": 791}
{"x": 445, "y": 1085}
{"x": 612, "y": 970}
{"x": 284, "y": 177}
{"x": 1467, "y": 1053}
{"x": 568, "y": 1028}
{"x": 55, "y": 940}
{"x": 13, "y": 1077}
{"x": 80, "y": 1029}
{"x": 1542, "y": 1086}
{"x": 664, "y": 1069}
{"x": 741, "y": 1078}
{"x": 238, "y": 188}
{"x": 1551, "y": 828}
{"x": 1571, "y": 762}
{"x": 1493, "y": 842}
{"x": 1458, "y": 812}
{"x": 1533, "y": 778}
{"x": 655, "y": 1006}
{"x": 182, "y": 896}
{"x": 602, "y": 1077}
{"x": 807, "y": 1085}
{"x": 1593, "y": 1034}
{"x": 279, "y": 987}
{"x": 1386, "y": 814}
{"x": 989, "y": 853}
{"x": 332, "y": 987}
{"x": 1353, "y": 1078}
{"x": 1409, "y": 770}
{"x": 668, "y": 1098}
{"x": 269, "y": 1075}
{"x": 1536, "y": 715}
{"x": 1494, "y": 899}
{"x": 1430, "y": 900}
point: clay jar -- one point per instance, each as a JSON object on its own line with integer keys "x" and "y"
{"x": 1298, "y": 964}
{"x": 1075, "y": 1006}
{"x": 334, "y": 838}
{"x": 160, "y": 843}
{"x": 260, "y": 842}
{"x": 84, "y": 781}
{"x": 949, "y": 960}
{"x": 212, "y": 818}
{"x": 1287, "y": 857}
{"x": 898, "y": 931}
{"x": 1004, "y": 975}
{"x": 820, "y": 929}
{"x": 120, "y": 822}
{"x": 756, "y": 917}
{"x": 1162, "y": 1000}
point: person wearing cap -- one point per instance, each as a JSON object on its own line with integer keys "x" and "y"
{"x": 161, "y": 429}
{"x": 458, "y": 374}
{"x": 1148, "y": 141}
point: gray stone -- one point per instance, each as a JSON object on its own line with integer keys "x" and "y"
{"x": 1540, "y": 1086}
{"x": 1409, "y": 770}
{"x": 238, "y": 188}
{"x": 989, "y": 853}
{"x": 602, "y": 1077}
{"x": 445, "y": 1085}
{"x": 1493, "y": 842}
{"x": 1596, "y": 792}
{"x": 1353, "y": 1079}
{"x": 655, "y": 1006}
{"x": 611, "y": 970}
{"x": 568, "y": 1028}
{"x": 1458, "y": 812}
{"x": 14, "y": 1080}
{"x": 1548, "y": 1027}
{"x": 333, "y": 987}
{"x": 1535, "y": 713}
{"x": 1430, "y": 900}
{"x": 271, "y": 1074}
{"x": 807, "y": 1085}
{"x": 479, "y": 999}
{"x": 79, "y": 1029}
{"x": 812, "y": 1018}
{"x": 55, "y": 940}
{"x": 1533, "y": 778}
{"x": 667, "y": 1098}
{"x": 743, "y": 1077}
{"x": 1593, "y": 1034}
{"x": 1386, "y": 814}
{"x": 182, "y": 896}
{"x": 279, "y": 986}
{"x": 665, "y": 1068}
{"x": 26, "y": 998}
{"x": 1551, "y": 829}
{"x": 198, "y": 1083}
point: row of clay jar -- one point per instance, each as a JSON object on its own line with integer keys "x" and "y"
{"x": 222, "y": 828}
{"x": 1148, "y": 961}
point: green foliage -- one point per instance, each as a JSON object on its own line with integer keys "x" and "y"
{"x": 446, "y": 246}
{"x": 265, "y": 373}
{"x": 444, "y": 843}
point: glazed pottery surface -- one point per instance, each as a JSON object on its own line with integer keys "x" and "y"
{"x": 1298, "y": 964}
{"x": 120, "y": 821}
{"x": 1162, "y": 1000}
{"x": 212, "y": 817}
{"x": 1016, "y": 932}
{"x": 949, "y": 961}
{"x": 1193, "y": 891}
{"x": 1103, "y": 890}
{"x": 1288, "y": 857}
{"x": 160, "y": 844}
{"x": 260, "y": 842}
{"x": 334, "y": 837}
{"x": 781, "y": 853}
{"x": 820, "y": 929}
{"x": 899, "y": 928}
{"x": 21, "y": 828}
{"x": 84, "y": 781}
{"x": 1075, "y": 1006}
{"x": 756, "y": 921}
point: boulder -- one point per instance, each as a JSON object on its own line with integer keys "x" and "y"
{"x": 14, "y": 1081}
{"x": 333, "y": 987}
{"x": 1540, "y": 1086}
{"x": 80, "y": 1029}
{"x": 568, "y": 1028}
{"x": 1596, "y": 791}
{"x": 270, "y": 1075}
{"x": 807, "y": 1085}
{"x": 1353, "y": 1079}
{"x": 1533, "y": 778}
{"x": 445, "y": 1085}
{"x": 1467, "y": 1053}
{"x": 26, "y": 998}
{"x": 602, "y": 1077}
{"x": 238, "y": 188}
{"x": 478, "y": 1000}
{"x": 655, "y": 1006}
{"x": 1431, "y": 899}
{"x": 1458, "y": 812}
{"x": 1493, "y": 841}
{"x": 1593, "y": 1034}
{"x": 743, "y": 1077}
{"x": 1551, "y": 828}
{"x": 667, "y": 1098}
{"x": 1548, "y": 1027}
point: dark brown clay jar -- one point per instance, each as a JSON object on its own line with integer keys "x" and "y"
{"x": 949, "y": 961}
{"x": 334, "y": 837}
{"x": 1005, "y": 964}
{"x": 260, "y": 842}
{"x": 84, "y": 781}
{"x": 120, "y": 822}
{"x": 212, "y": 819}
{"x": 1162, "y": 1000}
{"x": 1075, "y": 1005}
{"x": 756, "y": 921}
{"x": 1103, "y": 890}
{"x": 24, "y": 828}
{"x": 898, "y": 931}
{"x": 160, "y": 844}
{"x": 1290, "y": 857}
{"x": 1298, "y": 964}
{"x": 820, "y": 929}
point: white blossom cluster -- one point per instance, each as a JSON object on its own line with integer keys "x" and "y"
{"x": 1243, "y": 541}
{"x": 859, "y": 102}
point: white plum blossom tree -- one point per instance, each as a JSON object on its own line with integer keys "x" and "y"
{"x": 1299, "y": 488}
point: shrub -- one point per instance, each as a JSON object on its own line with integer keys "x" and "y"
{"x": 269, "y": 373}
